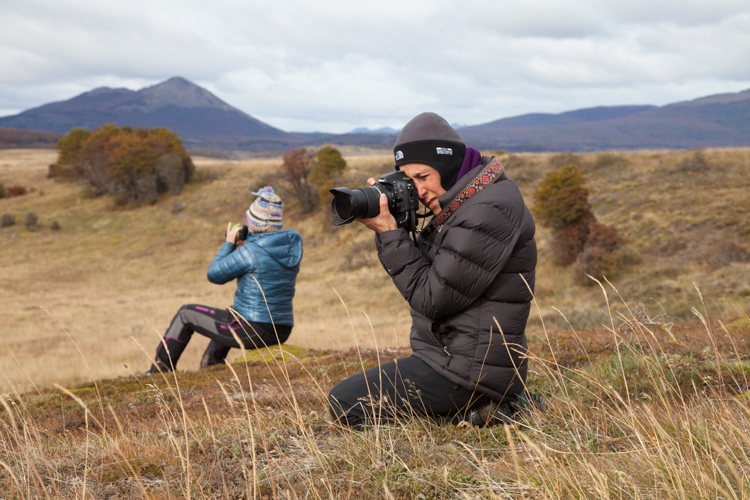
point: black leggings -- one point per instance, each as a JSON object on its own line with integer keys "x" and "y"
{"x": 405, "y": 387}
{"x": 218, "y": 325}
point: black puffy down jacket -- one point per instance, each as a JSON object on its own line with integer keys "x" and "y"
{"x": 471, "y": 273}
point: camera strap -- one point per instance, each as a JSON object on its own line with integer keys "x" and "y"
{"x": 486, "y": 177}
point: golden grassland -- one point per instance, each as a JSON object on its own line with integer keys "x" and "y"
{"x": 112, "y": 277}
{"x": 645, "y": 377}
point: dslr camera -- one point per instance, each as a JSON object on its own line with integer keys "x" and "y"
{"x": 363, "y": 203}
{"x": 241, "y": 235}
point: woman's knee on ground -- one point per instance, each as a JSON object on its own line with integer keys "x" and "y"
{"x": 344, "y": 410}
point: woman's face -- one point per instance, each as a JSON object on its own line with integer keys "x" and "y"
{"x": 427, "y": 181}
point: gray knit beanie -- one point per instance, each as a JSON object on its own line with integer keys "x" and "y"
{"x": 429, "y": 139}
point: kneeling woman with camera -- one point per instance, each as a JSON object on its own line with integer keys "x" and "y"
{"x": 468, "y": 278}
{"x": 265, "y": 268}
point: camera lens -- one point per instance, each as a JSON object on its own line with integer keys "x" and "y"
{"x": 348, "y": 204}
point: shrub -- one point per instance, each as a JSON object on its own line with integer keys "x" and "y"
{"x": 31, "y": 221}
{"x": 696, "y": 162}
{"x": 294, "y": 173}
{"x": 7, "y": 220}
{"x": 561, "y": 198}
{"x": 134, "y": 165}
{"x": 730, "y": 252}
{"x": 604, "y": 237}
{"x": 570, "y": 240}
{"x": 15, "y": 191}
{"x": 326, "y": 171}
{"x": 71, "y": 155}
{"x": 562, "y": 205}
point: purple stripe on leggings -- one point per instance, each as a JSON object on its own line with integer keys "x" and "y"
{"x": 204, "y": 309}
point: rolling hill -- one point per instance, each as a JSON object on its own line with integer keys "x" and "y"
{"x": 204, "y": 121}
{"x": 715, "y": 121}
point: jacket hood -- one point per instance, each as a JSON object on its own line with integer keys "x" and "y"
{"x": 284, "y": 246}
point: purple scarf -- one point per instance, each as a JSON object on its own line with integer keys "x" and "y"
{"x": 472, "y": 158}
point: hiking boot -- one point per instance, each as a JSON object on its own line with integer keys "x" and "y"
{"x": 208, "y": 361}
{"x": 157, "y": 367}
{"x": 490, "y": 414}
{"x": 527, "y": 402}
{"x": 506, "y": 413}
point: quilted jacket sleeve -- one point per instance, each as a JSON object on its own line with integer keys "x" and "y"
{"x": 477, "y": 242}
{"x": 229, "y": 264}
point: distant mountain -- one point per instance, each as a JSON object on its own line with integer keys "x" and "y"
{"x": 194, "y": 113}
{"x": 715, "y": 121}
{"x": 204, "y": 121}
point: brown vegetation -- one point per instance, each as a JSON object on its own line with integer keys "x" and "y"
{"x": 134, "y": 165}
{"x": 647, "y": 395}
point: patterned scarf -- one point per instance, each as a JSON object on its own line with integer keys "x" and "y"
{"x": 486, "y": 177}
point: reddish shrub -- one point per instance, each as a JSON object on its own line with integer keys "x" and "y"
{"x": 571, "y": 239}
{"x": 604, "y": 237}
{"x": 295, "y": 171}
{"x": 15, "y": 191}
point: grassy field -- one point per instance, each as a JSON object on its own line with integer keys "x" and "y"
{"x": 646, "y": 376}
{"x": 112, "y": 278}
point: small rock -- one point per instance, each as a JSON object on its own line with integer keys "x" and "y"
{"x": 55, "y": 226}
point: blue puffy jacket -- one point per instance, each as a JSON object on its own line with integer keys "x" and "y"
{"x": 273, "y": 260}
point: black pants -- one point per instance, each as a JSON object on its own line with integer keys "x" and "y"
{"x": 405, "y": 387}
{"x": 218, "y": 325}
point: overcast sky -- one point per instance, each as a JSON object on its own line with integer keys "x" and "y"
{"x": 325, "y": 65}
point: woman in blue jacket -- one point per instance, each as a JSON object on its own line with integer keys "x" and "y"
{"x": 265, "y": 268}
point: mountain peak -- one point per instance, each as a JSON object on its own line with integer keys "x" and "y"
{"x": 177, "y": 91}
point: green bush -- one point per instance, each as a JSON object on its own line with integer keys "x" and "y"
{"x": 561, "y": 198}
{"x": 325, "y": 173}
{"x": 134, "y": 165}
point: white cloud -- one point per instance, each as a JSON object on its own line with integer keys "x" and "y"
{"x": 333, "y": 66}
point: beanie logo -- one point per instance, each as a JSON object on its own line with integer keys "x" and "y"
{"x": 399, "y": 155}
{"x": 445, "y": 151}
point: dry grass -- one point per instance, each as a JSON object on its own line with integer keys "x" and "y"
{"x": 111, "y": 275}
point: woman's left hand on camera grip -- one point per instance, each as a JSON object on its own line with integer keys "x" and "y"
{"x": 384, "y": 221}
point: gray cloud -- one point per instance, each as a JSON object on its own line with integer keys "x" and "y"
{"x": 333, "y": 66}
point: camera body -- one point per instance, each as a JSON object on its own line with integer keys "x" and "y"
{"x": 241, "y": 235}
{"x": 363, "y": 203}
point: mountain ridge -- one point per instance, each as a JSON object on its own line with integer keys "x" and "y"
{"x": 203, "y": 120}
